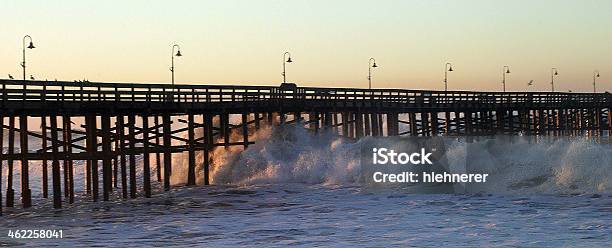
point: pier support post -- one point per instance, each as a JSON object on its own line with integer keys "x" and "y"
{"x": 10, "y": 192}
{"x": 116, "y": 158}
{"x": 68, "y": 162}
{"x": 157, "y": 154}
{"x": 55, "y": 165}
{"x": 106, "y": 157}
{"x": 167, "y": 150}
{"x": 1, "y": 157}
{"x": 191, "y": 178}
{"x": 345, "y": 124}
{"x": 45, "y": 172}
{"x": 327, "y": 120}
{"x": 208, "y": 141}
{"x": 366, "y": 122}
{"x": 413, "y": 124}
{"x": 245, "y": 129}
{"x": 358, "y": 125}
{"x": 132, "y": 140}
{"x": 146, "y": 170}
{"x": 225, "y": 129}
{"x": 392, "y": 124}
{"x": 425, "y": 124}
{"x": 92, "y": 140}
{"x": 468, "y": 123}
{"x": 26, "y": 193}
{"x": 122, "y": 151}
{"x": 434, "y": 124}
{"x": 374, "y": 124}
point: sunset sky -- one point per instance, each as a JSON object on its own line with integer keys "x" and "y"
{"x": 242, "y": 42}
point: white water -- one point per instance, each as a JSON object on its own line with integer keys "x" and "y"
{"x": 516, "y": 165}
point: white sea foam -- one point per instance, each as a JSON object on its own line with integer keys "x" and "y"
{"x": 292, "y": 154}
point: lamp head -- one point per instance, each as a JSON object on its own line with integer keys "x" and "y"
{"x": 374, "y": 65}
{"x": 597, "y": 74}
{"x": 556, "y": 73}
{"x": 508, "y": 70}
{"x": 450, "y": 68}
{"x": 31, "y": 46}
{"x": 289, "y": 60}
{"x": 178, "y": 54}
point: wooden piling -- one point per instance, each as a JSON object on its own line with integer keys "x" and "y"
{"x": 208, "y": 141}
{"x": 157, "y": 143}
{"x": 359, "y": 125}
{"x": 55, "y": 165}
{"x": 68, "y": 162}
{"x": 92, "y": 149}
{"x": 122, "y": 152}
{"x": 146, "y": 170}
{"x": 10, "y": 192}
{"x": 245, "y": 129}
{"x": 106, "y": 157}
{"x": 167, "y": 129}
{"x": 132, "y": 140}
{"x": 191, "y": 178}
{"x": 65, "y": 159}
{"x": 45, "y": 172}
{"x": 26, "y": 193}
{"x": 225, "y": 129}
{"x": 1, "y": 157}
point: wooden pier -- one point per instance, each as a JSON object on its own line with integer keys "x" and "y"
{"x": 107, "y": 125}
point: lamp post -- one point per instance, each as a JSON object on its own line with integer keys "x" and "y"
{"x": 370, "y": 66}
{"x": 178, "y": 54}
{"x": 505, "y": 70}
{"x": 595, "y": 76}
{"x": 286, "y": 60}
{"x": 448, "y": 67}
{"x": 31, "y": 46}
{"x": 553, "y": 73}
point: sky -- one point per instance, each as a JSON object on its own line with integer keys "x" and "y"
{"x": 241, "y": 42}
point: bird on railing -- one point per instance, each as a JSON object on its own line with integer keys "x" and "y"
{"x": 530, "y": 83}
{"x": 32, "y": 77}
{"x": 11, "y": 76}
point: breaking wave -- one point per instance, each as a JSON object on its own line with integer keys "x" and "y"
{"x": 292, "y": 154}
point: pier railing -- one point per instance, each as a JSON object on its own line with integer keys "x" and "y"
{"x": 18, "y": 90}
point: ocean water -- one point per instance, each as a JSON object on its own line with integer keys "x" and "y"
{"x": 293, "y": 188}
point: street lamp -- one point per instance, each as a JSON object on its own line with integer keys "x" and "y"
{"x": 505, "y": 70}
{"x": 553, "y": 73}
{"x": 178, "y": 54}
{"x": 31, "y": 46}
{"x": 286, "y": 60}
{"x": 448, "y": 67}
{"x": 595, "y": 76}
{"x": 370, "y": 66}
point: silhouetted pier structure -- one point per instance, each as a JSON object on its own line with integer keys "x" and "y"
{"x": 121, "y": 121}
